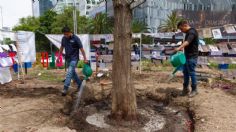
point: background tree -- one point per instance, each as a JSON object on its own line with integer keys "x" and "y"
{"x": 170, "y": 25}
{"x": 123, "y": 93}
{"x": 7, "y": 41}
{"x": 66, "y": 19}
{"x": 28, "y": 24}
{"x": 101, "y": 24}
{"x": 139, "y": 27}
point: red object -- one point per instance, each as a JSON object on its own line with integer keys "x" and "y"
{"x": 60, "y": 58}
{"x": 12, "y": 55}
{"x": 44, "y": 56}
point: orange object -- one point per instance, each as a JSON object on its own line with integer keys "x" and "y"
{"x": 44, "y": 56}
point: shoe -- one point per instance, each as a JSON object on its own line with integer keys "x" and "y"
{"x": 64, "y": 92}
{"x": 185, "y": 91}
{"x": 192, "y": 94}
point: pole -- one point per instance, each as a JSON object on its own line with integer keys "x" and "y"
{"x": 1, "y": 16}
{"x": 19, "y": 57}
{"x": 75, "y": 17}
{"x": 140, "y": 55}
{"x": 106, "y": 6}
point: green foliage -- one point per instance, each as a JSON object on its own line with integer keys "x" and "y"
{"x": 232, "y": 66}
{"x": 28, "y": 24}
{"x": 209, "y": 40}
{"x": 46, "y": 21}
{"x": 7, "y": 41}
{"x": 214, "y": 65}
{"x": 170, "y": 25}
{"x": 66, "y": 19}
{"x": 139, "y": 27}
{"x": 101, "y": 24}
{"x": 52, "y": 23}
{"x": 147, "y": 39}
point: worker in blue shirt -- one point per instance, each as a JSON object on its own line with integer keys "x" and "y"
{"x": 72, "y": 45}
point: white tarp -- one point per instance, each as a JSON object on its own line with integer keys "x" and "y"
{"x": 7, "y": 34}
{"x": 26, "y": 43}
{"x": 5, "y": 75}
{"x": 6, "y": 62}
{"x": 56, "y": 40}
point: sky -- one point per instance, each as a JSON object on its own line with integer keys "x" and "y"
{"x": 13, "y": 10}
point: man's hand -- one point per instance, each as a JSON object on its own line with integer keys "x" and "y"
{"x": 86, "y": 61}
{"x": 178, "y": 49}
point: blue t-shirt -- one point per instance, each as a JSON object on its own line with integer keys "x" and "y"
{"x": 72, "y": 46}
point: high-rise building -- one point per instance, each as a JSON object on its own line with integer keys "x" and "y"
{"x": 62, "y": 4}
{"x": 41, "y": 6}
{"x": 86, "y": 7}
{"x": 109, "y": 6}
{"x": 90, "y": 8}
{"x": 201, "y": 13}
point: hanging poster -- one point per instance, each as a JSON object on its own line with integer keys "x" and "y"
{"x": 230, "y": 29}
{"x": 26, "y": 43}
{"x": 216, "y": 33}
{"x": 206, "y": 32}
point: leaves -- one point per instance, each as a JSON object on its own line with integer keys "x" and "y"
{"x": 101, "y": 24}
{"x": 138, "y": 27}
{"x": 170, "y": 25}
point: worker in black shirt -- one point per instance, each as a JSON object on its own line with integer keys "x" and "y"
{"x": 190, "y": 47}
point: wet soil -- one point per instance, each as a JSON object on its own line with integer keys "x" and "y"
{"x": 37, "y": 105}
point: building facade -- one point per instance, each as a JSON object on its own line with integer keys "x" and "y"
{"x": 41, "y": 6}
{"x": 201, "y": 13}
{"x": 85, "y": 7}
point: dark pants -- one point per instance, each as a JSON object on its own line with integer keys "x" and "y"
{"x": 189, "y": 72}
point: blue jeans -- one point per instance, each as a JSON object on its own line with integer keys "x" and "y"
{"x": 71, "y": 74}
{"x": 189, "y": 72}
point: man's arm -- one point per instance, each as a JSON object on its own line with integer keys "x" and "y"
{"x": 183, "y": 45}
{"x": 82, "y": 50}
{"x": 61, "y": 50}
{"x": 84, "y": 55}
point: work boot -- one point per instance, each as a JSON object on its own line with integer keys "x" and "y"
{"x": 193, "y": 92}
{"x": 64, "y": 92}
{"x": 185, "y": 91}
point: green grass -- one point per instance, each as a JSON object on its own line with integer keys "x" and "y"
{"x": 46, "y": 75}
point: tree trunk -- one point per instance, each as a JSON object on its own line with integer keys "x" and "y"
{"x": 123, "y": 93}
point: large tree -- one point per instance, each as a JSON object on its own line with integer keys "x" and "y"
{"x": 124, "y": 103}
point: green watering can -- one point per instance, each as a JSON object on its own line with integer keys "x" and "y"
{"x": 87, "y": 71}
{"x": 177, "y": 60}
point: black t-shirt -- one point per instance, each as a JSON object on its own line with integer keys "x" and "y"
{"x": 191, "y": 51}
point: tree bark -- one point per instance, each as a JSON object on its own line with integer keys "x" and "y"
{"x": 123, "y": 93}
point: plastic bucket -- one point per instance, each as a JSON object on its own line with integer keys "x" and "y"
{"x": 178, "y": 59}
